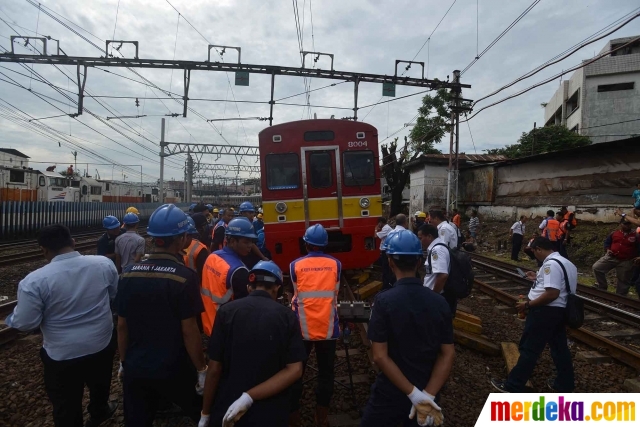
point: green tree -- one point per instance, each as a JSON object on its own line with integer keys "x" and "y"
{"x": 543, "y": 140}
{"x": 432, "y": 124}
{"x": 393, "y": 170}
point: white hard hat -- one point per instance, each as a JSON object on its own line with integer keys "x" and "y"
{"x": 417, "y": 213}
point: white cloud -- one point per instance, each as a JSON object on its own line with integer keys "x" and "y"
{"x": 366, "y": 36}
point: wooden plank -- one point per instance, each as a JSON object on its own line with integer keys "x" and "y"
{"x": 619, "y": 333}
{"x": 476, "y": 342}
{"x": 463, "y": 308}
{"x": 369, "y": 290}
{"x": 468, "y": 317}
{"x": 467, "y": 326}
{"x": 511, "y": 354}
{"x": 361, "y": 278}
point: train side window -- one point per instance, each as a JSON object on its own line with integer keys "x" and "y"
{"x": 283, "y": 171}
{"x": 84, "y": 190}
{"x": 42, "y": 182}
{"x": 16, "y": 176}
{"x": 358, "y": 168}
{"x": 320, "y": 169}
{"x": 96, "y": 191}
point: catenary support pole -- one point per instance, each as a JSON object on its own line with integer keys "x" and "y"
{"x": 273, "y": 81}
{"x": 162, "y": 144}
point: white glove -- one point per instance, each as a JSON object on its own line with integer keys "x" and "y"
{"x": 202, "y": 375}
{"x": 120, "y": 372}
{"x": 237, "y": 410}
{"x": 419, "y": 399}
{"x": 204, "y": 420}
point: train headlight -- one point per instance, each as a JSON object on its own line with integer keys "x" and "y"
{"x": 364, "y": 203}
{"x": 281, "y": 207}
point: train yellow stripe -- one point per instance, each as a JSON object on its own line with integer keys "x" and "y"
{"x": 323, "y": 209}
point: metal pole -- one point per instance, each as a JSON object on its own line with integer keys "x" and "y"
{"x": 162, "y": 144}
{"x": 534, "y": 138}
{"x": 190, "y": 176}
{"x": 450, "y": 161}
{"x": 456, "y": 75}
{"x": 355, "y": 99}
{"x": 141, "y": 188}
{"x": 273, "y": 80}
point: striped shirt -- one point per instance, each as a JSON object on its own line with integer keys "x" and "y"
{"x": 474, "y": 223}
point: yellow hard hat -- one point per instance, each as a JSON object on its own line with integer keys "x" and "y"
{"x": 215, "y": 210}
{"x": 259, "y": 215}
{"x": 422, "y": 215}
{"x": 232, "y": 209}
{"x": 133, "y": 210}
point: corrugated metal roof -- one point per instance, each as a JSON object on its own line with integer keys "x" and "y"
{"x": 463, "y": 157}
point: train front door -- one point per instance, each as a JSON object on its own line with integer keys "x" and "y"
{"x": 321, "y": 184}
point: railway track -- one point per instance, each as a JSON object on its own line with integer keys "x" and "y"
{"x": 36, "y": 254}
{"x": 608, "y": 328}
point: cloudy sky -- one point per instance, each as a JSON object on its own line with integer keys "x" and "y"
{"x": 364, "y": 36}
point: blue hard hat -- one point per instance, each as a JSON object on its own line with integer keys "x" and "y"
{"x": 193, "y": 205}
{"x": 260, "y": 234}
{"x": 192, "y": 226}
{"x": 210, "y": 207}
{"x": 110, "y": 222}
{"x": 131, "y": 218}
{"x": 316, "y": 235}
{"x": 247, "y": 207}
{"x": 272, "y": 271}
{"x": 404, "y": 242}
{"x": 240, "y": 227}
{"x": 168, "y": 220}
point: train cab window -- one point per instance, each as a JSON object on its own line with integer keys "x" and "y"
{"x": 320, "y": 169}
{"x": 283, "y": 171}
{"x": 358, "y": 168}
{"x": 84, "y": 190}
{"x": 42, "y": 181}
{"x": 16, "y": 176}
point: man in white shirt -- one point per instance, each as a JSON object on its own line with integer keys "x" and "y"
{"x": 447, "y": 232}
{"x": 517, "y": 235}
{"x": 401, "y": 224}
{"x": 545, "y": 323}
{"x": 69, "y": 300}
{"x": 437, "y": 263}
{"x": 382, "y": 231}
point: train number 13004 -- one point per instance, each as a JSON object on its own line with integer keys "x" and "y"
{"x": 356, "y": 144}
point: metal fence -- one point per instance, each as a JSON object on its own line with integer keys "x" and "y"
{"x": 24, "y": 219}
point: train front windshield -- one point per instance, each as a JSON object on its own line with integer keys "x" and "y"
{"x": 359, "y": 168}
{"x": 283, "y": 171}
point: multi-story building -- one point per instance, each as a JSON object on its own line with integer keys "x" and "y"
{"x": 602, "y": 99}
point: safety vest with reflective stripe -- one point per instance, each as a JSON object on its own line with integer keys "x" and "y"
{"x": 551, "y": 230}
{"x": 192, "y": 253}
{"x": 562, "y": 231}
{"x": 316, "y": 281}
{"x": 216, "y": 286}
{"x": 224, "y": 241}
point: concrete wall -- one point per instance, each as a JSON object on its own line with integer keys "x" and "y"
{"x": 603, "y": 108}
{"x": 428, "y": 187}
{"x": 13, "y": 161}
{"x": 477, "y": 185}
{"x": 556, "y": 101}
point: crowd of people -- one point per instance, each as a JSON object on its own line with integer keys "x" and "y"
{"x": 208, "y": 279}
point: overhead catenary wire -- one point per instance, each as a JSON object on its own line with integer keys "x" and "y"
{"x": 426, "y": 42}
{"x": 553, "y": 78}
{"x": 497, "y": 39}
{"x": 564, "y": 55}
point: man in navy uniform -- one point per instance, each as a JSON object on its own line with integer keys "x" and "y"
{"x": 159, "y": 342}
{"x": 256, "y": 354}
{"x": 412, "y": 342}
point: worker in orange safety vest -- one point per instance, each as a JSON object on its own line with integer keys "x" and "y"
{"x": 316, "y": 281}
{"x": 195, "y": 252}
{"x": 225, "y": 277}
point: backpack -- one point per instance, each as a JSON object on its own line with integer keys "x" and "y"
{"x": 461, "y": 275}
{"x": 574, "y": 311}
{"x": 458, "y": 234}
